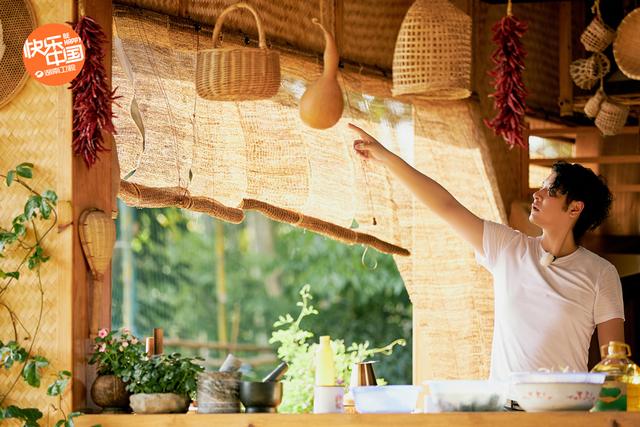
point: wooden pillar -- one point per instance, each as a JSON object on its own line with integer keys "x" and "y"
{"x": 91, "y": 188}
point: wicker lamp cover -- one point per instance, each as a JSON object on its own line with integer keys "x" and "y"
{"x": 626, "y": 47}
{"x": 237, "y": 73}
{"x": 17, "y": 21}
{"x": 432, "y": 57}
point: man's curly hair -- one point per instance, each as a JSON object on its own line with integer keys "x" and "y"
{"x": 582, "y": 184}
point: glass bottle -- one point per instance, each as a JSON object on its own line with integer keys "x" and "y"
{"x": 325, "y": 368}
{"x": 620, "y": 371}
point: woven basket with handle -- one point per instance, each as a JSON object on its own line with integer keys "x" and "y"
{"x": 237, "y": 73}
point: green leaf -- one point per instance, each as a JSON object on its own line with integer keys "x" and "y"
{"x": 50, "y": 196}
{"x": 19, "y": 229}
{"x": 30, "y": 416}
{"x": 10, "y": 176}
{"x": 25, "y": 170}
{"x": 45, "y": 209}
{"x": 59, "y": 385}
{"x": 14, "y": 274}
{"x": 31, "y": 371}
{"x": 30, "y": 208}
{"x": 60, "y": 422}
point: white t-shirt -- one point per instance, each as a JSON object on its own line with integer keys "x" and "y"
{"x": 545, "y": 316}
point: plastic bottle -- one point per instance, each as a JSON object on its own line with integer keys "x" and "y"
{"x": 620, "y": 372}
{"x": 325, "y": 368}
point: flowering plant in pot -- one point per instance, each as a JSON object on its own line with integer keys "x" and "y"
{"x": 115, "y": 353}
{"x": 163, "y": 383}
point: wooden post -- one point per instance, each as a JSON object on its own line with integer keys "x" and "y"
{"x": 565, "y": 100}
{"x": 91, "y": 188}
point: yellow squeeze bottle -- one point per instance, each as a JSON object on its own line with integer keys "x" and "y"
{"x": 325, "y": 368}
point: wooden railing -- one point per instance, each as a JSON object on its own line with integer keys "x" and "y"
{"x": 266, "y": 354}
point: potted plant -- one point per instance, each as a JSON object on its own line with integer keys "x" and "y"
{"x": 163, "y": 383}
{"x": 115, "y": 354}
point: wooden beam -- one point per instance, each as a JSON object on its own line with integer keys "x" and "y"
{"x": 567, "y": 130}
{"x": 602, "y": 160}
{"x": 612, "y": 244}
{"x": 565, "y": 101}
{"x": 589, "y": 144}
{"x": 173, "y": 342}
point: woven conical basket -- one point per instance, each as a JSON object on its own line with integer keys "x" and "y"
{"x": 97, "y": 235}
{"x": 237, "y": 73}
{"x": 432, "y": 57}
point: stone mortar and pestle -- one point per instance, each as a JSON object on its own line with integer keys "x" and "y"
{"x": 265, "y": 395}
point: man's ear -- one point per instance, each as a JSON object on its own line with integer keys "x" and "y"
{"x": 575, "y": 208}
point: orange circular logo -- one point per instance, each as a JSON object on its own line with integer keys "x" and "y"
{"x": 53, "y": 54}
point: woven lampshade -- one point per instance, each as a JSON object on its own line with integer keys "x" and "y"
{"x": 97, "y": 235}
{"x": 17, "y": 21}
{"x": 432, "y": 57}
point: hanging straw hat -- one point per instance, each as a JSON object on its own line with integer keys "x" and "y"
{"x": 626, "y": 47}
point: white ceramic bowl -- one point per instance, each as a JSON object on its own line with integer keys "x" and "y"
{"x": 556, "y": 391}
{"x": 385, "y": 399}
{"x": 466, "y": 396}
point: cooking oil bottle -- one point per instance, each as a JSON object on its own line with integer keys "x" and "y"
{"x": 619, "y": 390}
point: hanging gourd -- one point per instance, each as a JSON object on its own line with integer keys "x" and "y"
{"x": 432, "y": 57}
{"x": 321, "y": 105}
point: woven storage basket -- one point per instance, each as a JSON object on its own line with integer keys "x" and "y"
{"x": 237, "y": 73}
{"x": 626, "y": 47}
{"x": 611, "y": 117}
{"x": 587, "y": 72}
{"x": 432, "y": 57}
{"x": 592, "y": 106}
{"x": 597, "y": 36}
{"x": 17, "y": 21}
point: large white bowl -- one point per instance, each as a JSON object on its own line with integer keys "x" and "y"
{"x": 556, "y": 391}
{"x": 466, "y": 396}
{"x": 385, "y": 399}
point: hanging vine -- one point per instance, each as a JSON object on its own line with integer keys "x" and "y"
{"x": 27, "y": 233}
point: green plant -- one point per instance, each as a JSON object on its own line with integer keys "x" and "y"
{"x": 295, "y": 349}
{"x": 165, "y": 373}
{"x": 116, "y": 353}
{"x": 24, "y": 238}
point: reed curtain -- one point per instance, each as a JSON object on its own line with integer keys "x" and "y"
{"x": 225, "y": 157}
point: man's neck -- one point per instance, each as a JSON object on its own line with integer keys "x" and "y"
{"x": 558, "y": 243}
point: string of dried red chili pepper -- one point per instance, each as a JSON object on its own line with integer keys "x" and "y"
{"x": 510, "y": 92}
{"x": 92, "y": 97}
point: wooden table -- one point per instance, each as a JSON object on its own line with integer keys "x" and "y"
{"x": 478, "y": 419}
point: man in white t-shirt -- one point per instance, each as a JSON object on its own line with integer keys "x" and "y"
{"x": 550, "y": 293}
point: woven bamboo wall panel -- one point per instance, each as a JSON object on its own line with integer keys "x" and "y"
{"x": 32, "y": 129}
{"x": 230, "y": 152}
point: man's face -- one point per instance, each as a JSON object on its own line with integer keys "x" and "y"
{"x": 549, "y": 210}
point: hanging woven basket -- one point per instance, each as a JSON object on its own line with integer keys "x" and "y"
{"x": 592, "y": 106}
{"x": 597, "y": 36}
{"x": 237, "y": 73}
{"x": 611, "y": 117}
{"x": 432, "y": 57}
{"x": 626, "y": 47}
{"x": 587, "y": 72}
{"x": 97, "y": 236}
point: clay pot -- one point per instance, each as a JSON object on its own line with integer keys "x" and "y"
{"x": 109, "y": 392}
{"x": 322, "y": 104}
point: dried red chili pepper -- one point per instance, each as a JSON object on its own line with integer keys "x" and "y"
{"x": 92, "y": 97}
{"x": 510, "y": 93}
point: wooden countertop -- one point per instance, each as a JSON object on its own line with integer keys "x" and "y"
{"x": 462, "y": 419}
